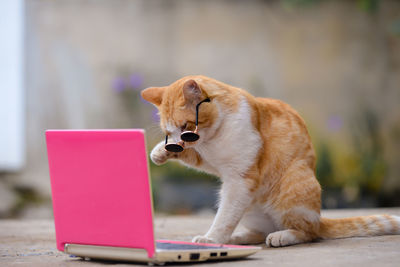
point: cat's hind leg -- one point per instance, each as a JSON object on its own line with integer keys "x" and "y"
{"x": 300, "y": 225}
{"x": 298, "y": 205}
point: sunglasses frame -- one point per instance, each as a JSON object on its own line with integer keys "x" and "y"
{"x": 186, "y": 136}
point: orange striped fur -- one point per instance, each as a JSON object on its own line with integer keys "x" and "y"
{"x": 261, "y": 150}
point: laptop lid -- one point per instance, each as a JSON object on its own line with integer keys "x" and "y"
{"x": 100, "y": 188}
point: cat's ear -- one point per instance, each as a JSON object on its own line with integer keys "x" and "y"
{"x": 153, "y": 95}
{"x": 192, "y": 92}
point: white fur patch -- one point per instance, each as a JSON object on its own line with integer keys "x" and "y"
{"x": 256, "y": 219}
{"x": 175, "y": 133}
{"x": 233, "y": 150}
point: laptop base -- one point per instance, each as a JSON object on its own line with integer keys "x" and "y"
{"x": 161, "y": 255}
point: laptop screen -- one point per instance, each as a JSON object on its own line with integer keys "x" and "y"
{"x": 100, "y": 188}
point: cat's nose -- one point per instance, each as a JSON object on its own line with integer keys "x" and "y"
{"x": 177, "y": 139}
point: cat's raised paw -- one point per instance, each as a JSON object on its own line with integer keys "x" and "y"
{"x": 202, "y": 239}
{"x": 159, "y": 155}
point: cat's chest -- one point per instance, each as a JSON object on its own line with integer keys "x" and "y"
{"x": 236, "y": 147}
{"x": 223, "y": 154}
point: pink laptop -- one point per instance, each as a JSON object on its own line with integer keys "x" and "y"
{"x": 102, "y": 200}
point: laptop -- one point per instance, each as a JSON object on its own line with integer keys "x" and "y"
{"x": 102, "y": 201}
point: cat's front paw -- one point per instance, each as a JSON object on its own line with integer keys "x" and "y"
{"x": 203, "y": 239}
{"x": 159, "y": 155}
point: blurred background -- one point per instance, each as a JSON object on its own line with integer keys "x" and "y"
{"x": 81, "y": 64}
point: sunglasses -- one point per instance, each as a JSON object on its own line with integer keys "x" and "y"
{"x": 186, "y": 136}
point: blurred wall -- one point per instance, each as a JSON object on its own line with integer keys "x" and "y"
{"x": 86, "y": 62}
{"x": 11, "y": 90}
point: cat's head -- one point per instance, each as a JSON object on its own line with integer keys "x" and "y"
{"x": 177, "y": 107}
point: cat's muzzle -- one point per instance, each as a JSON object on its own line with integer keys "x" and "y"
{"x": 187, "y": 136}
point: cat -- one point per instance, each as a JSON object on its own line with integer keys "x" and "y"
{"x": 261, "y": 150}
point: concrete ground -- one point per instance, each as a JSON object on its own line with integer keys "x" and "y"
{"x": 32, "y": 243}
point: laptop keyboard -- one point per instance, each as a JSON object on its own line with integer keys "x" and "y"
{"x": 175, "y": 246}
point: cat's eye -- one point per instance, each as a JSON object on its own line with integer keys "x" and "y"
{"x": 189, "y": 136}
{"x": 186, "y": 136}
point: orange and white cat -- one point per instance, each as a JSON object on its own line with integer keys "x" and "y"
{"x": 261, "y": 150}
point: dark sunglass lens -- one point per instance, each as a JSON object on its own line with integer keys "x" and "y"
{"x": 173, "y": 148}
{"x": 190, "y": 136}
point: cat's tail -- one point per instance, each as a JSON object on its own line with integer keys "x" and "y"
{"x": 359, "y": 226}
